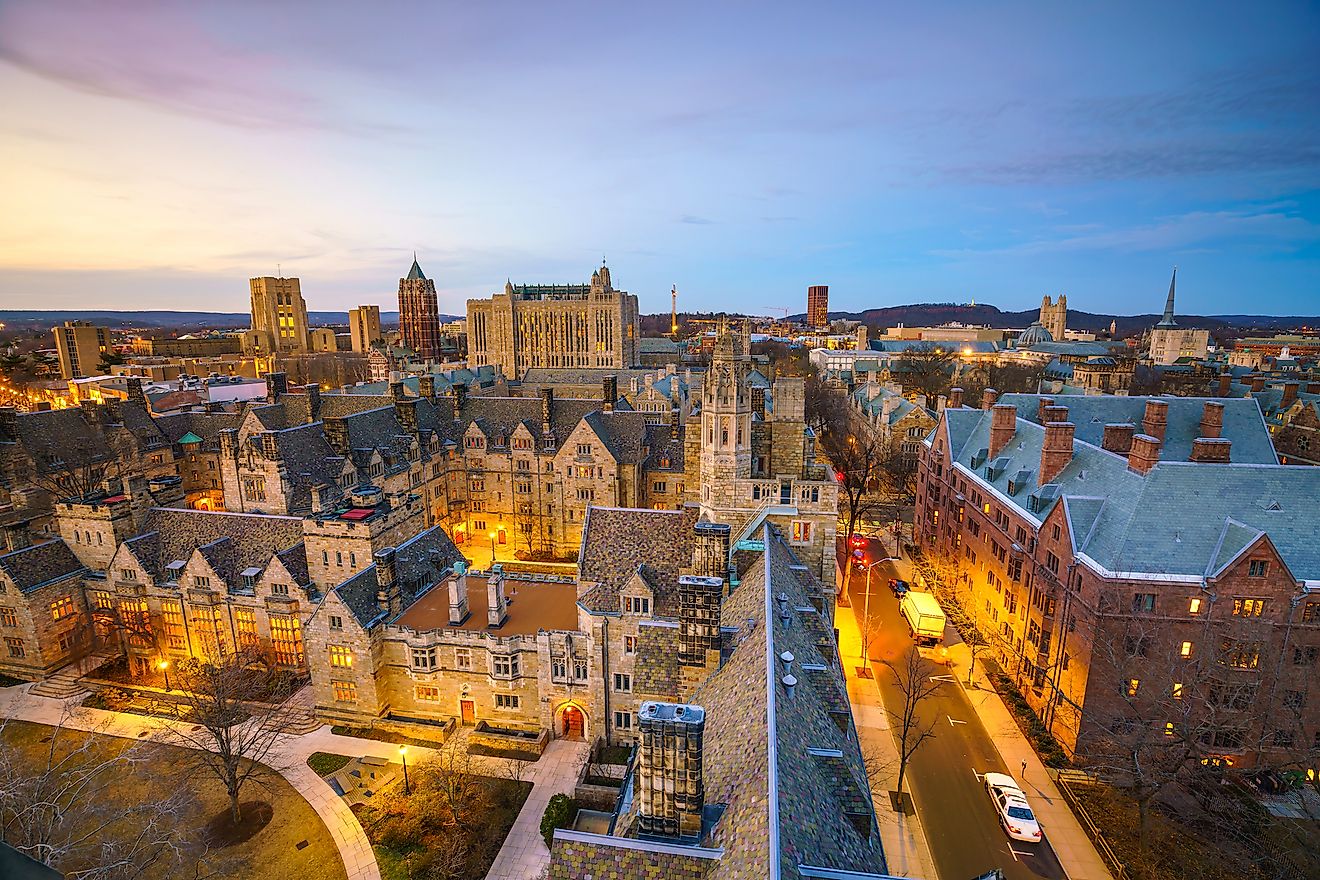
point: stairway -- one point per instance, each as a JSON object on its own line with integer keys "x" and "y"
{"x": 301, "y": 709}
{"x": 65, "y": 683}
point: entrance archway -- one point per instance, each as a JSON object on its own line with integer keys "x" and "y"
{"x": 571, "y": 722}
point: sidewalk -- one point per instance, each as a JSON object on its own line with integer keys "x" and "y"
{"x": 906, "y": 851}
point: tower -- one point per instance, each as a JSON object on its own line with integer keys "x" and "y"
{"x": 726, "y": 423}
{"x": 419, "y": 313}
{"x": 1167, "y": 320}
{"x": 364, "y": 327}
{"x": 818, "y": 306}
{"x": 1054, "y": 316}
{"x": 279, "y": 311}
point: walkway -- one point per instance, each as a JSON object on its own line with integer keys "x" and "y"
{"x": 523, "y": 854}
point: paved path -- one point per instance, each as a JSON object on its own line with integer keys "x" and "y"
{"x": 523, "y": 854}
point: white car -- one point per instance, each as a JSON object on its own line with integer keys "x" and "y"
{"x": 1014, "y": 814}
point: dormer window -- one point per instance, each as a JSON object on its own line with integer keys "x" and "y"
{"x": 636, "y": 605}
{"x": 174, "y": 570}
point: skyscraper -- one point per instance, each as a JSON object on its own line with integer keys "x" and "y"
{"x": 364, "y": 326}
{"x": 818, "y": 305}
{"x": 279, "y": 311}
{"x": 419, "y": 313}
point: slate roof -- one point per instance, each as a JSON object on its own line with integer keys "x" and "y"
{"x": 1172, "y": 521}
{"x": 33, "y": 567}
{"x": 419, "y": 562}
{"x": 616, "y": 542}
{"x": 230, "y": 541}
{"x": 1090, "y": 414}
{"x": 207, "y": 426}
{"x": 625, "y": 434}
{"x": 500, "y": 416}
{"x": 874, "y": 406}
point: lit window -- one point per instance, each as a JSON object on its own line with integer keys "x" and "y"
{"x": 1246, "y": 607}
{"x": 1177, "y": 690}
{"x": 1194, "y": 606}
{"x": 630, "y": 644}
{"x": 341, "y": 656}
{"x": 1168, "y": 728}
{"x": 428, "y": 694}
{"x": 61, "y": 608}
{"x": 1132, "y": 686}
{"x": 345, "y": 691}
{"x": 1186, "y": 649}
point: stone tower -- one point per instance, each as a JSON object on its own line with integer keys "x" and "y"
{"x": 1054, "y": 316}
{"x": 419, "y": 313}
{"x": 726, "y": 424}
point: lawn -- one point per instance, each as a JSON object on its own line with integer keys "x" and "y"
{"x": 325, "y": 763}
{"x": 294, "y": 843}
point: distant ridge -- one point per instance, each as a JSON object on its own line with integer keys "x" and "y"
{"x": 163, "y": 318}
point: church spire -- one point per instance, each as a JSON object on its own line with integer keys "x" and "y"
{"x": 415, "y": 273}
{"x": 1168, "y": 321}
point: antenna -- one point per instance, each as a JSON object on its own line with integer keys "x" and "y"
{"x": 279, "y": 270}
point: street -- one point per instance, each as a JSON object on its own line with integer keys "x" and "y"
{"x": 961, "y": 825}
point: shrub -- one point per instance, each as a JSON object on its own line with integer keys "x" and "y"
{"x": 559, "y": 813}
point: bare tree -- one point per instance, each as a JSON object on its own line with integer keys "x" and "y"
{"x": 66, "y": 809}
{"x": 928, "y": 368}
{"x": 80, "y": 466}
{"x": 912, "y": 678}
{"x": 456, "y": 783}
{"x": 226, "y": 736}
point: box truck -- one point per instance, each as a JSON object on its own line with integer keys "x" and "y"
{"x": 924, "y": 617}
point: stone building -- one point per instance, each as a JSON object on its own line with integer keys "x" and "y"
{"x": 80, "y": 346}
{"x": 898, "y": 422}
{"x": 279, "y": 314}
{"x": 419, "y": 314}
{"x": 1134, "y": 558}
{"x": 554, "y": 325}
{"x": 1169, "y": 342}
{"x": 364, "y": 327}
{"x": 43, "y": 611}
{"x": 663, "y": 394}
{"x": 1054, "y": 316}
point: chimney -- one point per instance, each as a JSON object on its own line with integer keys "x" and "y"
{"x": 1145, "y": 453}
{"x": 426, "y": 386}
{"x": 16, "y": 536}
{"x": 670, "y": 791}
{"x": 609, "y": 392}
{"x": 114, "y": 411}
{"x": 1118, "y": 437}
{"x": 1212, "y": 419}
{"x": 1212, "y": 449}
{"x": 1003, "y": 425}
{"x": 313, "y": 393}
{"x": 1041, "y": 405}
{"x": 758, "y": 402}
{"x": 1056, "y": 451}
{"x": 497, "y": 604}
{"x": 387, "y": 586}
{"x": 276, "y": 384}
{"x": 396, "y": 390}
{"x": 1257, "y": 383}
{"x": 405, "y": 410}
{"x": 1289, "y": 394}
{"x": 458, "y": 595}
{"x": 1156, "y": 419}
{"x": 134, "y": 388}
{"x": 269, "y": 448}
{"x": 8, "y": 424}
{"x": 1225, "y": 384}
{"x": 989, "y": 397}
{"x": 228, "y": 442}
{"x": 460, "y": 392}
{"x": 1055, "y": 414}
{"x": 336, "y": 434}
{"x": 955, "y": 398}
{"x": 547, "y": 408}
{"x": 320, "y": 493}
{"x": 710, "y": 550}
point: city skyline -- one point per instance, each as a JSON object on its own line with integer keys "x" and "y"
{"x": 160, "y": 155}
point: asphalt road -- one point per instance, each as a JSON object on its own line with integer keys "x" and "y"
{"x": 961, "y": 825}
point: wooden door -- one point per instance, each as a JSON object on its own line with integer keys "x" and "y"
{"x": 469, "y": 712}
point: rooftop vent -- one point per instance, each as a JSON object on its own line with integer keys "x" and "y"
{"x": 790, "y": 683}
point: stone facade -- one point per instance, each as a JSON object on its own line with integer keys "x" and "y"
{"x": 279, "y": 314}
{"x": 1054, "y": 316}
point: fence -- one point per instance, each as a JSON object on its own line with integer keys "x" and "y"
{"x": 1066, "y": 779}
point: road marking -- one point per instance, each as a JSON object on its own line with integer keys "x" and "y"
{"x": 953, "y": 720}
{"x": 1017, "y": 853}
{"x": 944, "y": 679}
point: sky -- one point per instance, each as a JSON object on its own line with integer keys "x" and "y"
{"x": 157, "y": 155}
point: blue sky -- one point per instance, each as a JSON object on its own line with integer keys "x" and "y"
{"x": 158, "y": 155}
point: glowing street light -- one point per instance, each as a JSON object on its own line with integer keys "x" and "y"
{"x": 164, "y": 666}
{"x": 403, "y": 756}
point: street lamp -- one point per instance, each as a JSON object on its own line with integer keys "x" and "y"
{"x": 491, "y": 535}
{"x": 866, "y": 608}
{"x": 403, "y": 755}
{"x": 164, "y": 666}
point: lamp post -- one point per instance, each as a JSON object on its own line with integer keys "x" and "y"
{"x": 866, "y": 611}
{"x": 491, "y": 535}
{"x": 164, "y": 666}
{"x": 403, "y": 755}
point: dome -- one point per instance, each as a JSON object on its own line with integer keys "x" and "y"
{"x": 1034, "y": 335}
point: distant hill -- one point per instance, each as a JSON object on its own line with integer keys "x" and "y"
{"x": 166, "y": 319}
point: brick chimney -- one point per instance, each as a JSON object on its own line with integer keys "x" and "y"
{"x": 989, "y": 397}
{"x": 1156, "y": 420}
{"x": 1056, "y": 451}
{"x": 1313, "y": 387}
{"x": 426, "y": 386}
{"x": 1055, "y": 414}
{"x": 1225, "y": 384}
{"x": 955, "y": 398}
{"x": 670, "y": 785}
{"x": 133, "y": 389}
{"x": 16, "y": 536}
{"x": 1043, "y": 404}
{"x": 1145, "y": 453}
{"x": 1118, "y": 437}
{"x": 1257, "y": 383}
{"x": 497, "y": 604}
{"x": 1212, "y": 419}
{"x": 313, "y": 393}
{"x": 609, "y": 393}
{"x": 458, "y": 595}
{"x": 1212, "y": 449}
{"x": 387, "y": 581}
{"x": 1289, "y": 394}
{"x": 276, "y": 384}
{"x": 1003, "y": 425}
{"x": 405, "y": 410}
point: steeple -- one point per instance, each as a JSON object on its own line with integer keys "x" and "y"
{"x": 415, "y": 273}
{"x": 1168, "y": 321}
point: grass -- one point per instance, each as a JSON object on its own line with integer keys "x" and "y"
{"x": 325, "y": 763}
{"x": 1046, "y": 746}
{"x": 388, "y": 736}
{"x": 271, "y": 852}
{"x": 511, "y": 754}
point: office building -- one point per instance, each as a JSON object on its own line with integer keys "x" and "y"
{"x": 364, "y": 326}
{"x": 80, "y": 346}
{"x": 279, "y": 314}
{"x": 818, "y": 305}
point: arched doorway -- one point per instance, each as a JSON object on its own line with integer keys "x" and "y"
{"x": 571, "y": 722}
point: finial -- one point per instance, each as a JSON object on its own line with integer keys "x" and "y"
{"x": 602, "y": 259}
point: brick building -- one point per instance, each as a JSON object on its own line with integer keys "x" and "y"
{"x": 1135, "y": 561}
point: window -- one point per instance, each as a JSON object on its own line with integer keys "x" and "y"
{"x": 1131, "y": 686}
{"x": 636, "y": 605}
{"x": 473, "y": 442}
{"x": 1058, "y": 532}
{"x": 1194, "y": 606}
{"x": 559, "y": 669}
{"x": 1168, "y": 728}
{"x": 623, "y": 682}
{"x": 801, "y": 531}
{"x": 580, "y": 670}
{"x": 128, "y": 574}
{"x": 504, "y": 665}
{"x": 8, "y": 617}
{"x": 341, "y": 657}
{"x": 427, "y": 693}
{"x": 1186, "y": 649}
{"x": 279, "y": 589}
{"x": 172, "y": 614}
{"x": 658, "y": 487}
{"x": 345, "y": 691}
{"x": 623, "y": 720}
{"x": 16, "y": 649}
{"x": 336, "y": 622}
{"x": 585, "y": 494}
{"x": 630, "y": 644}
{"x": 61, "y": 608}
{"x": 477, "y": 484}
{"x": 1258, "y": 568}
{"x": 1239, "y": 655}
{"x": 1248, "y": 607}
{"x": 462, "y": 658}
{"x": 1311, "y": 612}
{"x": 1051, "y": 562}
{"x": 1305, "y": 655}
{"x": 245, "y": 620}
{"x": 201, "y": 580}
{"x": 1143, "y": 603}
{"x": 584, "y": 449}
{"x": 286, "y": 636}
{"x": 1177, "y": 690}
{"x": 507, "y": 701}
{"x": 423, "y": 659}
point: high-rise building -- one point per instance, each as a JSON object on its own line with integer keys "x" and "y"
{"x": 1054, "y": 316}
{"x": 80, "y": 346}
{"x": 554, "y": 325}
{"x": 279, "y": 312}
{"x": 364, "y": 326}
{"x": 419, "y": 313}
{"x": 818, "y": 305}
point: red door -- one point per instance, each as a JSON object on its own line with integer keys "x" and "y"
{"x": 468, "y": 711}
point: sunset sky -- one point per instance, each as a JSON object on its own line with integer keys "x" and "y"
{"x": 158, "y": 155}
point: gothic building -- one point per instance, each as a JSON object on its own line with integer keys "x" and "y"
{"x": 1054, "y": 316}
{"x": 419, "y": 314}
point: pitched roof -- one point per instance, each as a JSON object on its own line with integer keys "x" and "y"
{"x": 231, "y": 541}
{"x": 419, "y": 562}
{"x": 415, "y": 272}
{"x": 33, "y": 567}
{"x": 616, "y": 542}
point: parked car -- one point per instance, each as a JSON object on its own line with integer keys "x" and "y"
{"x": 899, "y": 587}
{"x": 1011, "y": 804}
